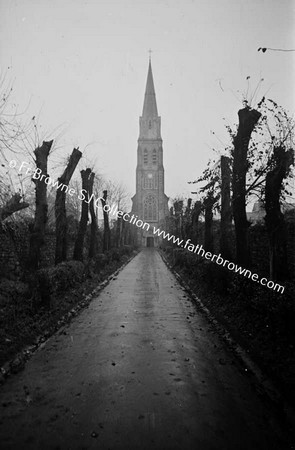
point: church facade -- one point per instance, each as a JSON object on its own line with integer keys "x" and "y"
{"x": 150, "y": 203}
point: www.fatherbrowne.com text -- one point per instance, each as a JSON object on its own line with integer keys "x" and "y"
{"x": 199, "y": 250}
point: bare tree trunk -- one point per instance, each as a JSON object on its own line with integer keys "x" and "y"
{"x": 106, "y": 230}
{"x": 274, "y": 219}
{"x": 119, "y": 225}
{"x": 248, "y": 118}
{"x": 187, "y": 220}
{"x": 13, "y": 205}
{"x": 79, "y": 244}
{"x": 208, "y": 204}
{"x": 61, "y": 224}
{"x": 126, "y": 238}
{"x": 38, "y": 231}
{"x": 93, "y": 246}
{"x": 226, "y": 213}
{"x": 178, "y": 206}
{"x": 122, "y": 232}
{"x": 195, "y": 220}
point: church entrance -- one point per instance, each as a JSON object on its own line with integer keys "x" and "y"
{"x": 150, "y": 242}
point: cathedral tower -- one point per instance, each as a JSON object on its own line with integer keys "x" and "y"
{"x": 150, "y": 203}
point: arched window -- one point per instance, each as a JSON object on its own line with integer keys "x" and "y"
{"x": 145, "y": 156}
{"x": 150, "y": 124}
{"x": 155, "y": 158}
{"x": 150, "y": 211}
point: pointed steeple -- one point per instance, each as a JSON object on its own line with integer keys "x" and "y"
{"x": 150, "y": 105}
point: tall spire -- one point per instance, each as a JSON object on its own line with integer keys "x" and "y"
{"x": 150, "y": 105}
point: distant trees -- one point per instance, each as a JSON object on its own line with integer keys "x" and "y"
{"x": 12, "y": 205}
{"x": 117, "y": 194}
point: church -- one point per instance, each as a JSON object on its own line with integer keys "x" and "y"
{"x": 150, "y": 203}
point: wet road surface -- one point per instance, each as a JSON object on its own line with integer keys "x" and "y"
{"x": 140, "y": 368}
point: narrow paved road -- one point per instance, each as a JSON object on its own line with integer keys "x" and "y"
{"x": 138, "y": 369}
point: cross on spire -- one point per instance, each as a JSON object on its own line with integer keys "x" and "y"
{"x": 150, "y": 55}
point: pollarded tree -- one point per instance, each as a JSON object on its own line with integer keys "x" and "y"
{"x": 79, "y": 244}
{"x": 282, "y": 161}
{"x": 187, "y": 225}
{"x": 38, "y": 229}
{"x": 215, "y": 195}
{"x": 60, "y": 207}
{"x": 106, "y": 229}
{"x": 275, "y": 128}
{"x": 178, "y": 211}
{"x": 248, "y": 119}
{"x": 195, "y": 215}
{"x": 269, "y": 175}
{"x": 208, "y": 203}
{"x": 93, "y": 245}
{"x": 225, "y": 209}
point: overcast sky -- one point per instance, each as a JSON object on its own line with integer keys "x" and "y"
{"x": 82, "y": 66}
